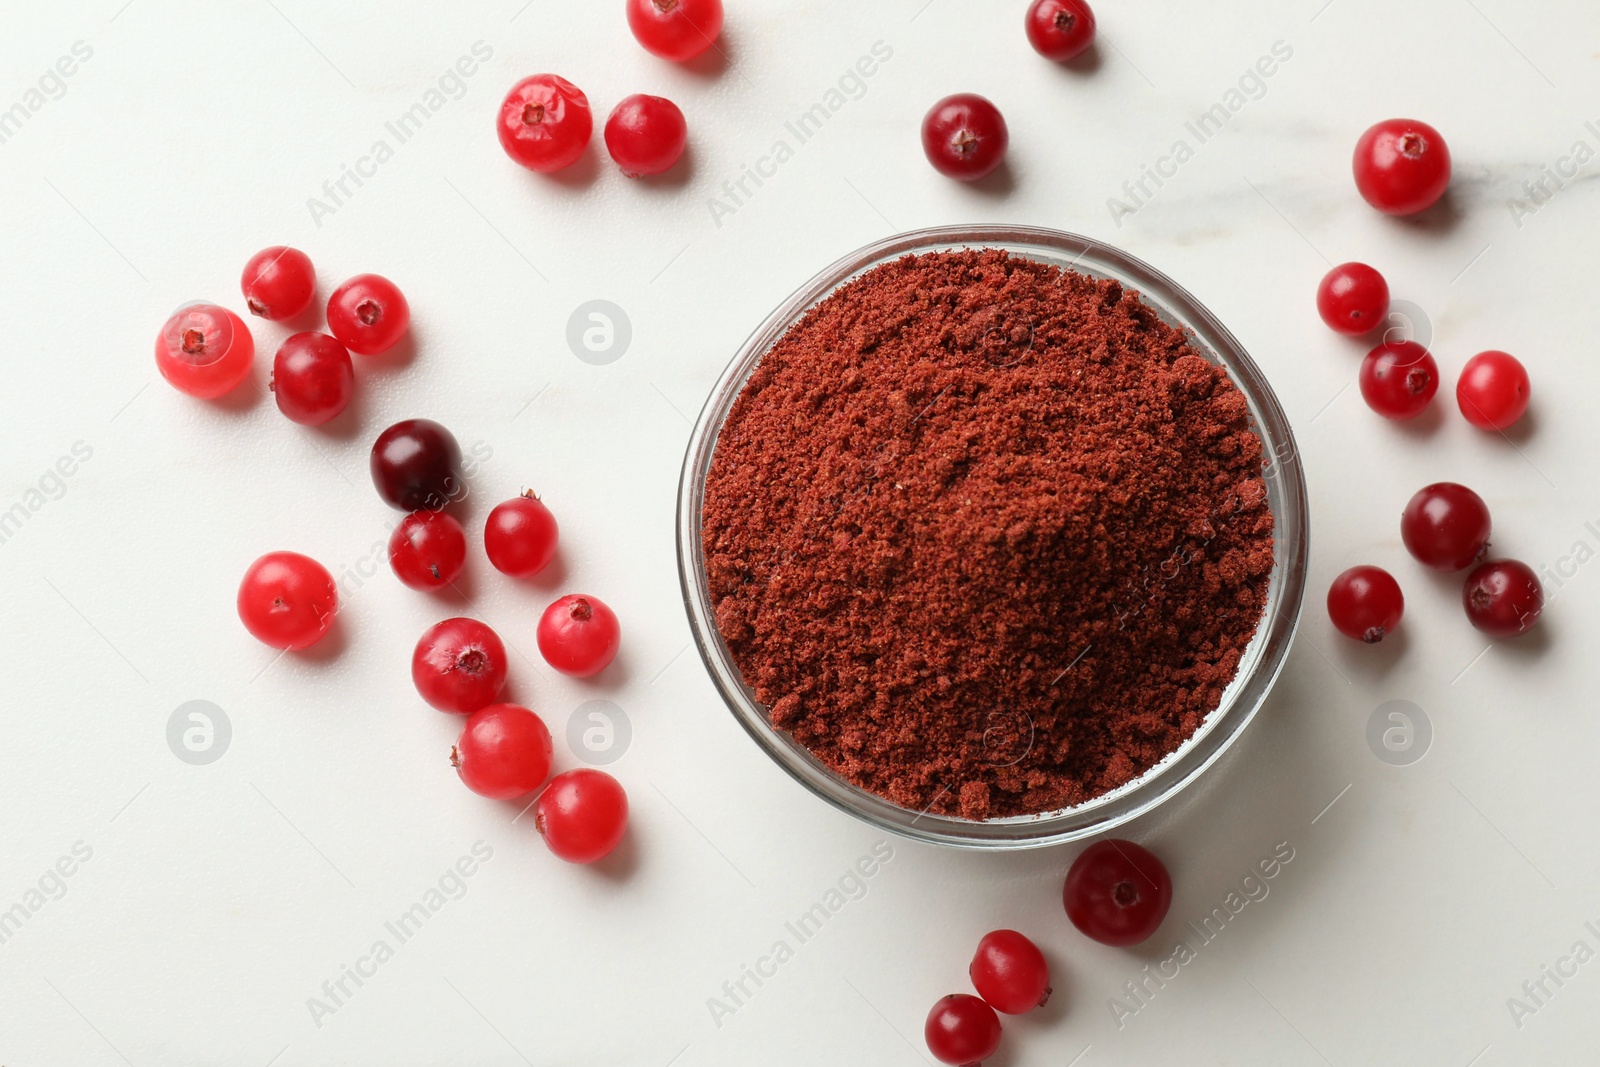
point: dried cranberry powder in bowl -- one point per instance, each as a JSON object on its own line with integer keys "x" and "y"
{"x": 986, "y": 536}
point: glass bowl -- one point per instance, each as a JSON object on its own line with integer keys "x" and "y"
{"x": 1258, "y": 668}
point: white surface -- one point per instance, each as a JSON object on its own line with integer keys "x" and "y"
{"x": 219, "y": 898}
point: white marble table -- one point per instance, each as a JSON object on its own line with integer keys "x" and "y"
{"x": 207, "y": 905}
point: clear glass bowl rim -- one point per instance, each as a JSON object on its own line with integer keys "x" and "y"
{"x": 1258, "y": 668}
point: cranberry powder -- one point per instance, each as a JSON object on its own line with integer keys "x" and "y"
{"x": 987, "y": 536}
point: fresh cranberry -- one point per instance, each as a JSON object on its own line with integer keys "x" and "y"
{"x": 1398, "y": 379}
{"x": 1492, "y": 391}
{"x": 368, "y": 314}
{"x": 312, "y": 379}
{"x": 427, "y": 550}
{"x": 1446, "y": 526}
{"x": 582, "y": 815}
{"x": 416, "y": 466}
{"x": 1503, "y": 598}
{"x": 520, "y": 537}
{"x": 1117, "y": 892}
{"x": 287, "y": 600}
{"x": 204, "y": 350}
{"x": 1353, "y": 299}
{"x": 675, "y": 29}
{"x": 646, "y": 135}
{"x": 1060, "y": 29}
{"x": 962, "y": 1030}
{"x": 964, "y": 136}
{"x": 459, "y": 666}
{"x": 1402, "y": 166}
{"x": 545, "y": 123}
{"x": 578, "y": 635}
{"x": 278, "y": 283}
{"x": 1365, "y": 603}
{"x": 1010, "y": 972}
{"x": 503, "y": 752}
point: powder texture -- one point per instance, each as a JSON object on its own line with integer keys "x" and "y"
{"x": 986, "y": 536}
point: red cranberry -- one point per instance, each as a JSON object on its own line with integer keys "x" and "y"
{"x": 578, "y": 635}
{"x": 1446, "y": 526}
{"x": 278, "y": 283}
{"x": 287, "y": 600}
{"x": 962, "y": 1030}
{"x": 1060, "y": 29}
{"x": 503, "y": 752}
{"x": 675, "y": 29}
{"x": 204, "y": 350}
{"x": 1353, "y": 299}
{"x": 1492, "y": 391}
{"x": 312, "y": 379}
{"x": 1117, "y": 892}
{"x": 1503, "y": 598}
{"x": 646, "y": 135}
{"x": 427, "y": 550}
{"x": 545, "y": 123}
{"x": 416, "y": 466}
{"x": 1398, "y": 379}
{"x": 1010, "y": 972}
{"x": 964, "y": 136}
{"x": 459, "y": 666}
{"x": 1365, "y": 603}
{"x": 1402, "y": 166}
{"x": 582, "y": 815}
{"x": 520, "y": 536}
{"x": 368, "y": 314}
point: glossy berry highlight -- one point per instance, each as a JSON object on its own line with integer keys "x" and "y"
{"x": 287, "y": 600}
{"x": 1398, "y": 379}
{"x": 459, "y": 666}
{"x": 675, "y": 29}
{"x": 312, "y": 380}
{"x": 545, "y": 123}
{"x": 1353, "y": 299}
{"x": 1401, "y": 166}
{"x": 1493, "y": 390}
{"x": 1446, "y": 526}
{"x": 1503, "y": 598}
{"x": 1010, "y": 972}
{"x": 428, "y": 550}
{"x": 503, "y": 752}
{"x": 578, "y": 635}
{"x": 416, "y": 465}
{"x": 520, "y": 536}
{"x": 961, "y": 1030}
{"x": 965, "y": 136}
{"x": 204, "y": 350}
{"x": 1365, "y": 603}
{"x": 646, "y": 135}
{"x": 1060, "y": 29}
{"x": 1117, "y": 892}
{"x": 368, "y": 314}
{"x": 582, "y": 815}
{"x": 278, "y": 283}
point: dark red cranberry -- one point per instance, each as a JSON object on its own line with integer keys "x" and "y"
{"x": 416, "y": 466}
